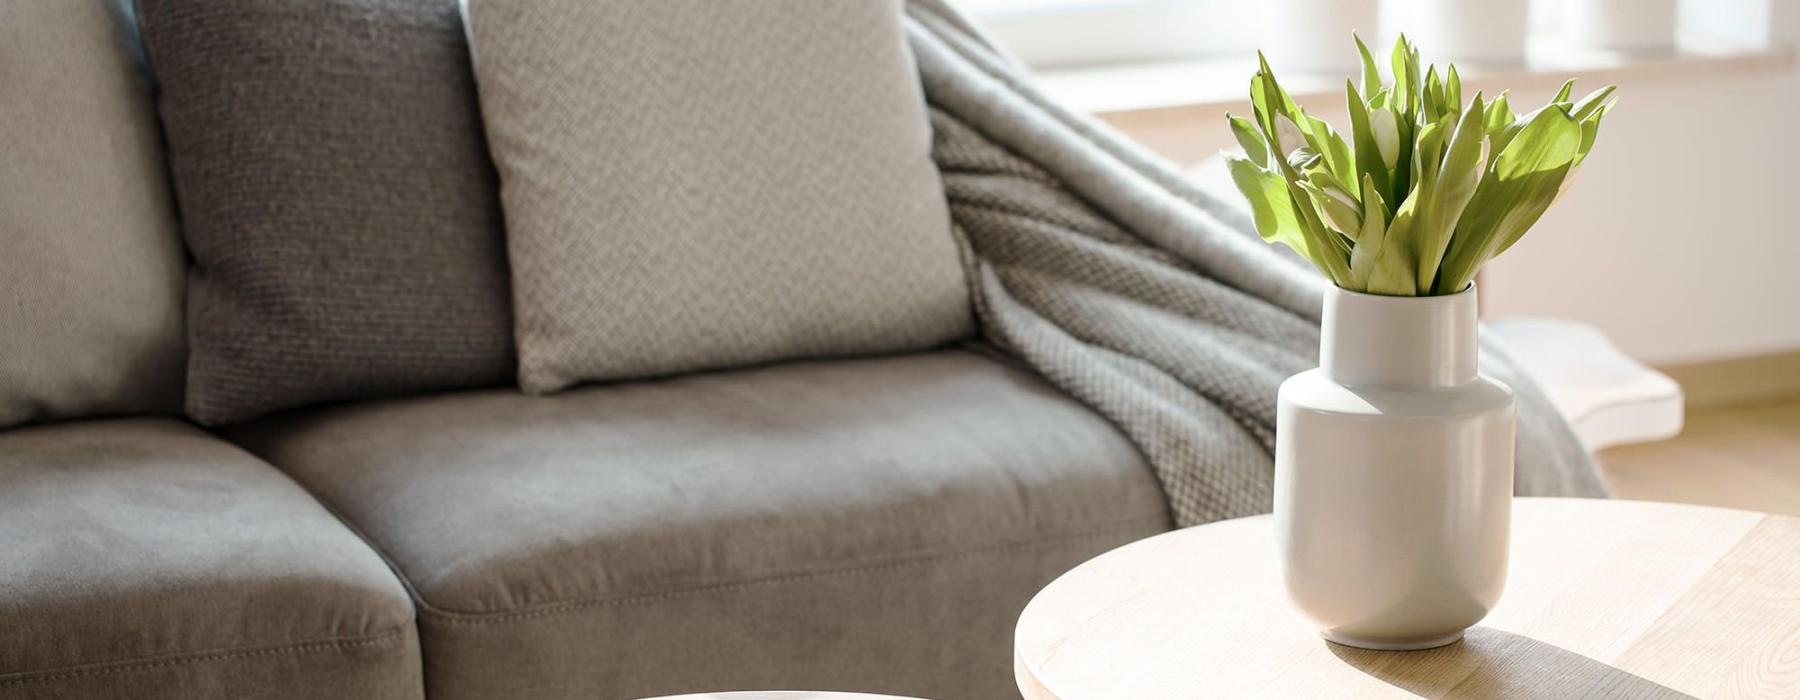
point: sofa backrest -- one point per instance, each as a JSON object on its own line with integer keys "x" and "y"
{"x": 91, "y": 264}
{"x": 342, "y": 210}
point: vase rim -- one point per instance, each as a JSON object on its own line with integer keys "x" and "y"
{"x": 1379, "y": 340}
{"x": 1366, "y": 295}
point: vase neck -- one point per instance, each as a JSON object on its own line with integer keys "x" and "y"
{"x": 1402, "y": 342}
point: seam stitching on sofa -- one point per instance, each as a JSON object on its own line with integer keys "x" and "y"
{"x": 182, "y": 658}
{"x": 435, "y": 614}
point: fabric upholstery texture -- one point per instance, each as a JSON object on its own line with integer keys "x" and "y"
{"x": 872, "y": 524}
{"x": 1107, "y": 271}
{"x": 337, "y": 197}
{"x": 143, "y": 558}
{"x": 694, "y": 184}
{"x": 91, "y": 265}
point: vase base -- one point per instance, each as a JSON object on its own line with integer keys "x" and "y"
{"x": 1393, "y": 645}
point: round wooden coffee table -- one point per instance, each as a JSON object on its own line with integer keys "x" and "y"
{"x": 1604, "y": 598}
{"x": 781, "y": 695}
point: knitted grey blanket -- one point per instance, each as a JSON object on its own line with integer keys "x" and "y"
{"x": 1142, "y": 295}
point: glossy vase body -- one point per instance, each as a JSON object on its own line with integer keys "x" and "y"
{"x": 1393, "y": 474}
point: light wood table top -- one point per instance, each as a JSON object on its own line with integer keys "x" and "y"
{"x": 1619, "y": 599}
{"x": 781, "y": 695}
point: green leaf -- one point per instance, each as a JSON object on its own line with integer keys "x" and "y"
{"x": 1259, "y": 107}
{"x": 1367, "y": 151}
{"x": 1433, "y": 96}
{"x": 1592, "y": 103}
{"x": 1453, "y": 89}
{"x": 1406, "y": 89}
{"x": 1428, "y": 153}
{"x": 1374, "y": 236}
{"x": 1278, "y": 98}
{"x": 1270, "y": 205}
{"x": 1273, "y": 104}
{"x": 1520, "y": 186}
{"x": 1499, "y": 115}
{"x": 1325, "y": 179}
{"x": 1337, "y": 153}
{"x": 1374, "y": 209}
{"x": 1390, "y": 262}
{"x": 1412, "y": 66}
{"x": 1329, "y": 251}
{"x": 1563, "y": 94}
{"x": 1451, "y": 190}
{"x": 1590, "y": 130}
{"x": 1265, "y": 104}
{"x": 1371, "y": 78}
{"x": 1254, "y": 145}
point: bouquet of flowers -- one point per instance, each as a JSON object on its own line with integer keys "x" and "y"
{"x": 1424, "y": 190}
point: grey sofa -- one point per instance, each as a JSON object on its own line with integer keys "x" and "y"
{"x": 870, "y": 524}
{"x": 863, "y": 524}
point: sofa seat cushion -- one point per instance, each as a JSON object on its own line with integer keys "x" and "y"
{"x": 871, "y": 524}
{"x": 146, "y": 559}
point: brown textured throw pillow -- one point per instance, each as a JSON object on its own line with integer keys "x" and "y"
{"x": 695, "y": 184}
{"x": 337, "y": 197}
{"x": 91, "y": 268}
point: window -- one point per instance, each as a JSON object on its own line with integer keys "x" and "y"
{"x": 1067, "y": 33}
{"x": 1058, "y": 34}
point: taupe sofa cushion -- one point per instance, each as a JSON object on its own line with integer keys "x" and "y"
{"x": 142, "y": 558}
{"x": 338, "y": 199}
{"x": 91, "y": 267}
{"x": 866, "y": 524}
{"x": 696, "y": 184}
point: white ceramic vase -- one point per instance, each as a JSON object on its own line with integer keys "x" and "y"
{"x": 1393, "y": 474}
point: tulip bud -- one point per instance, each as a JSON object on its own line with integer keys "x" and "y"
{"x": 1287, "y": 136}
{"x": 1346, "y": 218}
{"x": 1387, "y": 135}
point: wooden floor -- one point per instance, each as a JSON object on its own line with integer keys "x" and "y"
{"x": 1744, "y": 456}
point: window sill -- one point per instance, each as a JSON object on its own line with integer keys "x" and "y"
{"x": 1211, "y": 86}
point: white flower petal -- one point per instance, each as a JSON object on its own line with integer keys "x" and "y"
{"x": 1287, "y": 136}
{"x": 1387, "y": 135}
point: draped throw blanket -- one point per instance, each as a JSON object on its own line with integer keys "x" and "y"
{"x": 1140, "y": 294}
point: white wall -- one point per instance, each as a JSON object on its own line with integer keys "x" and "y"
{"x": 1682, "y": 238}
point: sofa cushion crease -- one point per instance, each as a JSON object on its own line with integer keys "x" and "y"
{"x": 1129, "y": 529}
{"x": 397, "y": 635}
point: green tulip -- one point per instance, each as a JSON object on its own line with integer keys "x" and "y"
{"x": 1423, "y": 190}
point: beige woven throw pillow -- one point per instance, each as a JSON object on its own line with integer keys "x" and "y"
{"x": 91, "y": 267}
{"x": 695, "y": 184}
